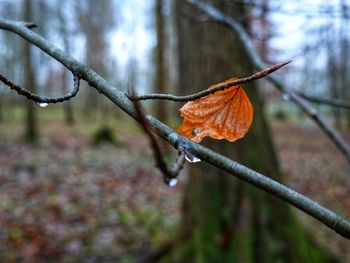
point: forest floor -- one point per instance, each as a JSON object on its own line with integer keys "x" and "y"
{"x": 65, "y": 200}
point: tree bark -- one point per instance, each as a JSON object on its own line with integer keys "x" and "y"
{"x": 67, "y": 106}
{"x": 31, "y": 133}
{"x": 160, "y": 74}
{"x": 225, "y": 220}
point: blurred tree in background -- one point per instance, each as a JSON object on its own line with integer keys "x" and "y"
{"x": 96, "y": 19}
{"x": 66, "y": 34}
{"x": 9, "y": 55}
{"x": 161, "y": 71}
{"x": 338, "y": 44}
{"x": 29, "y": 78}
{"x": 225, "y": 220}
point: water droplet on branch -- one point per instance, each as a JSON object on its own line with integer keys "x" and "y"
{"x": 42, "y": 104}
{"x": 191, "y": 158}
{"x": 286, "y": 96}
{"x": 172, "y": 182}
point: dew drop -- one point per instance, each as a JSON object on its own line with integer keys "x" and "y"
{"x": 286, "y": 96}
{"x": 172, "y": 182}
{"x": 195, "y": 131}
{"x": 42, "y": 104}
{"x": 191, "y": 158}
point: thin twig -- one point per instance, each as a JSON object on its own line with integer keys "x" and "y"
{"x": 168, "y": 173}
{"x": 330, "y": 102}
{"x": 317, "y": 211}
{"x": 256, "y": 59}
{"x": 40, "y": 99}
{"x": 214, "y": 88}
{"x": 180, "y": 160}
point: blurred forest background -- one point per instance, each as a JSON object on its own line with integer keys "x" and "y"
{"x": 77, "y": 179}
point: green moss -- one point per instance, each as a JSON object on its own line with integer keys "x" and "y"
{"x": 15, "y": 234}
{"x": 305, "y": 249}
{"x": 106, "y": 135}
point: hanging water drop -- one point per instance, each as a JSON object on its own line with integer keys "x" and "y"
{"x": 191, "y": 158}
{"x": 42, "y": 104}
{"x": 172, "y": 182}
{"x": 286, "y": 96}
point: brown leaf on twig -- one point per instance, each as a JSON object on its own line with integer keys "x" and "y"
{"x": 226, "y": 114}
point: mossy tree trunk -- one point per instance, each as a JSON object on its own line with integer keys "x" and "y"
{"x": 224, "y": 219}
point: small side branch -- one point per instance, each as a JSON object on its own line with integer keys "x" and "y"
{"x": 39, "y": 99}
{"x": 169, "y": 174}
{"x": 214, "y": 88}
{"x": 330, "y": 102}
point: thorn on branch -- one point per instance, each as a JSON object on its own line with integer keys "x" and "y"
{"x": 39, "y": 99}
{"x": 169, "y": 174}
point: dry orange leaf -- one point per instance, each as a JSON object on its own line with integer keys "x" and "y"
{"x": 226, "y": 114}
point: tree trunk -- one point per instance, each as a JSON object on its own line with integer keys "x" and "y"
{"x": 224, "y": 219}
{"x": 160, "y": 74}
{"x": 67, "y": 106}
{"x": 31, "y": 133}
{"x": 95, "y": 19}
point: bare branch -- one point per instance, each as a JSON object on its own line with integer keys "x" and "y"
{"x": 37, "y": 98}
{"x": 330, "y": 102}
{"x": 317, "y": 211}
{"x": 255, "y": 58}
{"x": 169, "y": 175}
{"x": 180, "y": 160}
{"x": 214, "y": 88}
